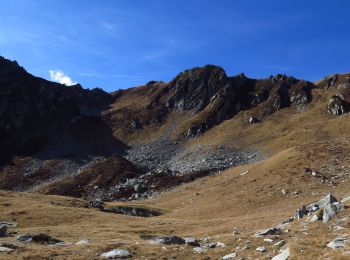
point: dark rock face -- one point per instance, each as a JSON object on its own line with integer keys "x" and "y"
{"x": 195, "y": 87}
{"x": 33, "y": 110}
{"x": 336, "y": 105}
{"x": 211, "y": 91}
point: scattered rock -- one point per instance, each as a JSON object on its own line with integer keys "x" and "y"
{"x": 97, "y": 204}
{"x": 345, "y": 85}
{"x": 82, "y": 242}
{"x": 39, "y": 238}
{"x": 8, "y": 224}
{"x": 5, "y": 249}
{"x": 3, "y": 231}
{"x": 330, "y": 81}
{"x": 338, "y": 243}
{"x": 229, "y": 256}
{"x": 171, "y": 240}
{"x": 336, "y": 105}
{"x": 331, "y": 210}
{"x": 346, "y": 199}
{"x": 9, "y": 245}
{"x": 253, "y": 120}
{"x": 200, "y": 250}
{"x": 191, "y": 241}
{"x": 269, "y": 231}
{"x": 284, "y": 255}
{"x": 269, "y": 240}
{"x": 117, "y": 253}
{"x": 280, "y": 243}
{"x": 300, "y": 213}
{"x": 261, "y": 249}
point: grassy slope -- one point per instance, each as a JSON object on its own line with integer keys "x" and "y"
{"x": 216, "y": 205}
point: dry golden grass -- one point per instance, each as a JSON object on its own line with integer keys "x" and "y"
{"x": 212, "y": 206}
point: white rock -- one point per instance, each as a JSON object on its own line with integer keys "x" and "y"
{"x": 5, "y": 249}
{"x": 220, "y": 244}
{"x": 280, "y": 243}
{"x": 200, "y": 250}
{"x": 229, "y": 256}
{"x": 346, "y": 199}
{"x": 82, "y": 242}
{"x": 261, "y": 249}
{"x": 338, "y": 243}
{"x": 116, "y": 253}
{"x": 268, "y": 240}
{"x": 284, "y": 255}
{"x": 269, "y": 231}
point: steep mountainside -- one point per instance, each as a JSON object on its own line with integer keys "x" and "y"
{"x": 207, "y": 160}
{"x": 53, "y": 134}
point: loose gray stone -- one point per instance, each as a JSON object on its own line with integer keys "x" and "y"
{"x": 82, "y": 242}
{"x": 331, "y": 210}
{"x": 5, "y": 249}
{"x": 191, "y": 241}
{"x": 342, "y": 201}
{"x": 8, "y": 224}
{"x": 261, "y": 249}
{"x": 338, "y": 243}
{"x": 200, "y": 250}
{"x": 284, "y": 255}
{"x": 3, "y": 231}
{"x": 229, "y": 256}
{"x": 116, "y": 253}
{"x": 269, "y": 231}
{"x": 280, "y": 243}
{"x": 329, "y": 199}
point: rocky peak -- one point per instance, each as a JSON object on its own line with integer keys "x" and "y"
{"x": 194, "y": 88}
{"x": 32, "y": 109}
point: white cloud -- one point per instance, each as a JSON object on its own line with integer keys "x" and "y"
{"x": 60, "y": 77}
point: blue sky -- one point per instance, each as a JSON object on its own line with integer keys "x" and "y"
{"x": 124, "y": 43}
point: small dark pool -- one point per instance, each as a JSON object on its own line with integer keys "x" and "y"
{"x": 133, "y": 211}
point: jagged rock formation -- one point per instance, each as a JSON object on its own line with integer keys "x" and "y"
{"x": 35, "y": 112}
{"x": 210, "y": 91}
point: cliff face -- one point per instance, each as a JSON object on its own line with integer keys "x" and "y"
{"x": 210, "y": 92}
{"x": 34, "y": 111}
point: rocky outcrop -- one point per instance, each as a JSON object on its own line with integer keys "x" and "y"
{"x": 337, "y": 105}
{"x": 214, "y": 96}
{"x": 194, "y": 88}
{"x": 34, "y": 111}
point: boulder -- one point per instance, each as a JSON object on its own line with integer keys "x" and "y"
{"x": 171, "y": 240}
{"x": 338, "y": 243}
{"x": 39, "y": 238}
{"x": 336, "y": 105}
{"x": 96, "y": 204}
{"x": 5, "y": 249}
{"x": 269, "y": 231}
{"x": 117, "y": 254}
{"x": 261, "y": 249}
{"x": 191, "y": 241}
{"x": 280, "y": 243}
{"x": 8, "y": 224}
{"x": 253, "y": 120}
{"x": 229, "y": 256}
{"x": 200, "y": 250}
{"x": 330, "y": 81}
{"x": 82, "y": 242}
{"x": 3, "y": 231}
{"x": 284, "y": 255}
{"x": 345, "y": 85}
{"x": 330, "y": 210}
{"x": 300, "y": 213}
{"x": 328, "y": 199}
